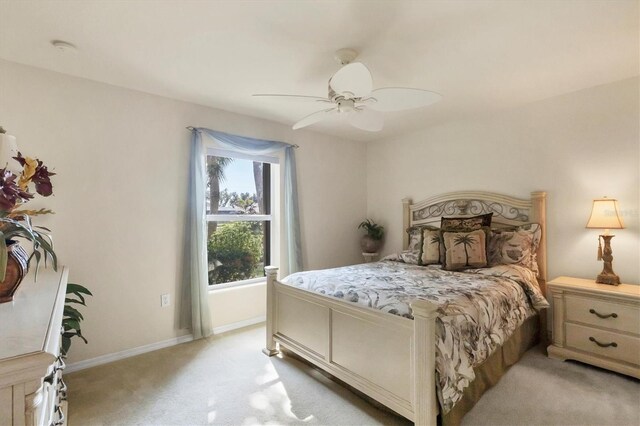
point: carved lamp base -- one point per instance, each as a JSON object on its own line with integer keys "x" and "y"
{"x": 605, "y": 278}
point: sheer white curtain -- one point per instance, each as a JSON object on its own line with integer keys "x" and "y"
{"x": 196, "y": 279}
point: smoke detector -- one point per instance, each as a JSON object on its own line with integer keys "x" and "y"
{"x": 64, "y": 46}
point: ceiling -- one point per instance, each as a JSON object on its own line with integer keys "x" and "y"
{"x": 481, "y": 55}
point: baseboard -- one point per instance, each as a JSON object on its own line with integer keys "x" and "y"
{"x": 104, "y": 359}
{"x": 239, "y": 324}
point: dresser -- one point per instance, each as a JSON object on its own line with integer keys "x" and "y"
{"x": 596, "y": 323}
{"x": 32, "y": 391}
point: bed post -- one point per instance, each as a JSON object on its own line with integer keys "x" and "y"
{"x": 272, "y": 273}
{"x": 539, "y": 215}
{"x": 425, "y": 408}
{"x": 406, "y": 220}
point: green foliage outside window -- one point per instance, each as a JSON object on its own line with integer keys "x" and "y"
{"x": 234, "y": 252}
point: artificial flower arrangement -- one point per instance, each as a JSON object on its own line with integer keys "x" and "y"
{"x": 15, "y": 222}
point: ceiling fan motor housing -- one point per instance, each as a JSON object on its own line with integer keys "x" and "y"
{"x": 346, "y": 105}
{"x": 345, "y": 56}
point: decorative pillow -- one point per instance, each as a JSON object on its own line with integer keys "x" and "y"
{"x": 515, "y": 246}
{"x": 413, "y": 252}
{"x": 415, "y": 238}
{"x": 432, "y": 247}
{"x": 466, "y": 223}
{"x": 465, "y": 249}
{"x": 409, "y": 256}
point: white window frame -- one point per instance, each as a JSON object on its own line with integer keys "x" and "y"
{"x": 245, "y": 217}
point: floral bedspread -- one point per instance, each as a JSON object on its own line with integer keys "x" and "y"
{"x": 478, "y": 309}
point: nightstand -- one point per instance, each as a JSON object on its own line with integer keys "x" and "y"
{"x": 596, "y": 323}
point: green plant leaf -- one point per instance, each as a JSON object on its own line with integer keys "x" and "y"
{"x": 72, "y": 317}
{"x": 37, "y": 255}
{"x": 66, "y": 344}
{"x": 72, "y": 312}
{"x": 70, "y": 300}
{"x": 77, "y": 288}
{"x": 71, "y": 324}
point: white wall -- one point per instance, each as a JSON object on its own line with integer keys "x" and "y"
{"x": 121, "y": 159}
{"x": 577, "y": 147}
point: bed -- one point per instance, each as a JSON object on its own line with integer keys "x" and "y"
{"x": 389, "y": 350}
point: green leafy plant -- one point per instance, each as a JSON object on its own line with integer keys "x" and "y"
{"x": 234, "y": 251}
{"x": 374, "y": 230}
{"x": 72, "y": 317}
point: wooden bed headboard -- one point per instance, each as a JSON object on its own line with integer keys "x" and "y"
{"x": 507, "y": 211}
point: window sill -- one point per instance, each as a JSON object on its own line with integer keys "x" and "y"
{"x": 245, "y": 283}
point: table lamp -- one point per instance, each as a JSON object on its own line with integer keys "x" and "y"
{"x": 605, "y": 215}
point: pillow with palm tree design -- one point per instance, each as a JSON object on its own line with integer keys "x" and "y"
{"x": 432, "y": 247}
{"x": 465, "y": 249}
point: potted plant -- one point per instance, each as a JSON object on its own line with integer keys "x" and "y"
{"x": 15, "y": 221}
{"x": 72, "y": 317}
{"x": 372, "y": 240}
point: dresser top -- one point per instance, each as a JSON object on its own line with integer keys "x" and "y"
{"x": 628, "y": 290}
{"x": 25, "y": 321}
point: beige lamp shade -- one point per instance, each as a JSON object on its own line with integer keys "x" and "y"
{"x": 605, "y": 214}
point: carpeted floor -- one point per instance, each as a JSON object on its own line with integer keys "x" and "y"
{"x": 226, "y": 380}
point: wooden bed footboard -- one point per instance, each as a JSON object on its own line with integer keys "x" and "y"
{"x": 387, "y": 357}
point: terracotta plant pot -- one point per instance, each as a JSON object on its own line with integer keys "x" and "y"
{"x": 17, "y": 265}
{"x": 369, "y": 245}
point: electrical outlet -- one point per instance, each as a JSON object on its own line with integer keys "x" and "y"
{"x": 165, "y": 300}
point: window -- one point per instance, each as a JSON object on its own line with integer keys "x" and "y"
{"x": 239, "y": 217}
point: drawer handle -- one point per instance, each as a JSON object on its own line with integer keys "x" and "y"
{"x": 599, "y": 315}
{"x": 49, "y": 378}
{"x": 603, "y": 345}
{"x": 60, "y": 414}
{"x": 61, "y": 364}
{"x": 62, "y": 390}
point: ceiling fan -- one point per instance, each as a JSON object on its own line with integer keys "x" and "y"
{"x": 351, "y": 95}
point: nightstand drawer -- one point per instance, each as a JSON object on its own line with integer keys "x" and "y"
{"x": 603, "y": 313}
{"x": 604, "y": 343}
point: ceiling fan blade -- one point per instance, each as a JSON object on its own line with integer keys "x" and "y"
{"x": 293, "y": 98}
{"x": 366, "y": 119}
{"x": 400, "y": 98}
{"x": 315, "y": 117}
{"x": 354, "y": 79}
